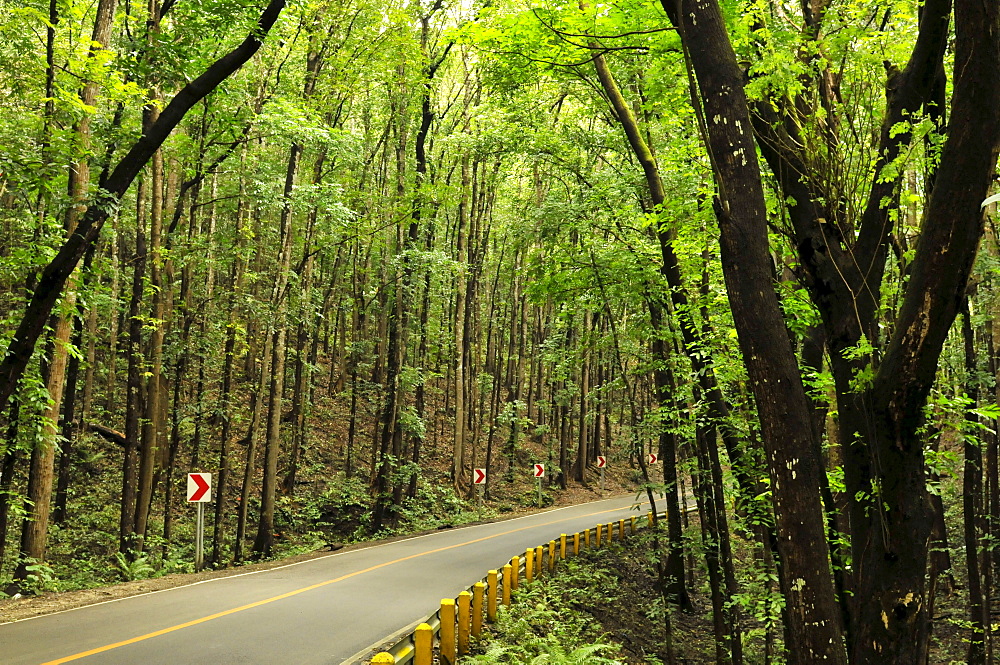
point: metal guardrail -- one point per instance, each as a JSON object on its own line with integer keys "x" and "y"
{"x": 404, "y": 650}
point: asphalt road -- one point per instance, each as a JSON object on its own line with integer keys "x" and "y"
{"x": 329, "y": 610}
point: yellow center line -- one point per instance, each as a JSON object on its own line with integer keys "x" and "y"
{"x": 217, "y": 615}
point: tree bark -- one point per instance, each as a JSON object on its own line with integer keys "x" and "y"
{"x": 264, "y": 542}
{"x": 133, "y": 389}
{"x": 458, "y": 452}
{"x": 152, "y": 425}
{"x": 8, "y": 464}
{"x": 972, "y": 502}
{"x": 814, "y": 624}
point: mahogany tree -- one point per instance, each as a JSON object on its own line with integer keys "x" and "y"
{"x": 882, "y": 380}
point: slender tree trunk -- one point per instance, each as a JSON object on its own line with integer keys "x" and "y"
{"x": 8, "y": 464}
{"x": 253, "y": 433}
{"x": 583, "y": 445}
{"x": 34, "y": 533}
{"x": 669, "y": 402}
{"x": 69, "y": 429}
{"x": 133, "y": 390}
{"x": 972, "y": 503}
{"x": 152, "y": 425}
{"x": 725, "y": 639}
{"x": 458, "y": 453}
{"x": 119, "y": 265}
{"x": 264, "y": 542}
{"x": 225, "y": 408}
{"x": 993, "y": 463}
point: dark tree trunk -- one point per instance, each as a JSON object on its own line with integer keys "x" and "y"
{"x": 972, "y": 502}
{"x": 879, "y": 424}
{"x": 264, "y": 541}
{"x": 250, "y": 465}
{"x": 814, "y": 621}
{"x": 668, "y": 401}
{"x": 725, "y": 636}
{"x": 133, "y": 390}
{"x": 893, "y": 568}
{"x": 8, "y": 464}
{"x": 69, "y": 429}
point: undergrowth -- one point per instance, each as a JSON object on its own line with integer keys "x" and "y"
{"x": 544, "y": 624}
{"x": 83, "y": 552}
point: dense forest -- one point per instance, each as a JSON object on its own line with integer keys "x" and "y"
{"x": 340, "y": 254}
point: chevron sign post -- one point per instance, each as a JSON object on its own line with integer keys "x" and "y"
{"x": 539, "y": 472}
{"x": 199, "y": 492}
{"x": 479, "y": 479}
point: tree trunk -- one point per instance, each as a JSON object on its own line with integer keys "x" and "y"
{"x": 152, "y": 425}
{"x": 972, "y": 502}
{"x": 725, "y": 637}
{"x": 583, "y": 445}
{"x": 814, "y": 621}
{"x": 8, "y": 464}
{"x": 264, "y": 542}
{"x": 668, "y": 401}
{"x": 256, "y": 410}
{"x": 133, "y": 390}
{"x": 68, "y": 427}
{"x": 458, "y": 453}
{"x": 34, "y": 532}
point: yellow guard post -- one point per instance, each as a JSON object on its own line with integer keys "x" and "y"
{"x": 477, "y": 608}
{"x": 423, "y": 641}
{"x": 448, "y": 656}
{"x": 491, "y": 596}
{"x": 464, "y": 621}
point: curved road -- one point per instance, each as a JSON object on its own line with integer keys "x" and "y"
{"x": 331, "y": 610}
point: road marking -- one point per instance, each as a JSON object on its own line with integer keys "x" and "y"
{"x": 289, "y": 594}
{"x": 345, "y": 552}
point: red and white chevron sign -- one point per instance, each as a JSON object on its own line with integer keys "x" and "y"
{"x": 199, "y": 487}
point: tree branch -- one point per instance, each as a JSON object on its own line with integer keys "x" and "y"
{"x": 55, "y": 274}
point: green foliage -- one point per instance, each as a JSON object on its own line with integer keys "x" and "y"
{"x": 39, "y": 577}
{"x": 864, "y": 374}
{"x": 542, "y": 626}
{"x": 544, "y": 652}
{"x": 437, "y": 506}
{"x": 133, "y": 568}
{"x": 760, "y": 598}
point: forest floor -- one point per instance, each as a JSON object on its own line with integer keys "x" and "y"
{"x": 603, "y": 607}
